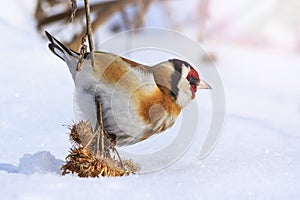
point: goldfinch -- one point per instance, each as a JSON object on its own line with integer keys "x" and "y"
{"x": 138, "y": 101}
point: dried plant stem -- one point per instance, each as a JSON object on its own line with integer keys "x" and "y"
{"x": 119, "y": 157}
{"x": 83, "y": 49}
{"x": 99, "y": 126}
{"x": 90, "y": 141}
{"x": 89, "y": 29}
{"x": 110, "y": 9}
{"x": 102, "y": 141}
{"x": 74, "y": 9}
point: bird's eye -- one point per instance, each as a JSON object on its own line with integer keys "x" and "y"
{"x": 192, "y": 80}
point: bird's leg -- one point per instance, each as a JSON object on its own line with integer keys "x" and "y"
{"x": 99, "y": 124}
{"x": 103, "y": 132}
{"x": 120, "y": 159}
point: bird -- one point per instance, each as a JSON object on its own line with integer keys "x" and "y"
{"x": 137, "y": 100}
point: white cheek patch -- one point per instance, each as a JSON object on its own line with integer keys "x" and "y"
{"x": 184, "y": 94}
{"x": 185, "y": 71}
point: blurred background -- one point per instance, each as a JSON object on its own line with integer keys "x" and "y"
{"x": 254, "y": 45}
{"x": 267, "y": 23}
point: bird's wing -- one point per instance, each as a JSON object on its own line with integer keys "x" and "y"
{"x": 113, "y": 69}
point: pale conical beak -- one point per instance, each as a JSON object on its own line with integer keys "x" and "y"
{"x": 203, "y": 85}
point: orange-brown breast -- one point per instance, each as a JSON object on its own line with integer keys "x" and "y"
{"x": 152, "y": 107}
{"x": 156, "y": 100}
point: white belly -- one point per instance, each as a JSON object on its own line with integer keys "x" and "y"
{"x": 119, "y": 115}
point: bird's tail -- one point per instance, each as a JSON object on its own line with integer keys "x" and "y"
{"x": 59, "y": 48}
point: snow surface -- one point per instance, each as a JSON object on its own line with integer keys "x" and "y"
{"x": 257, "y": 156}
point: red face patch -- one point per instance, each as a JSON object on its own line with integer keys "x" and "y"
{"x": 193, "y": 78}
{"x": 194, "y": 90}
{"x": 193, "y": 73}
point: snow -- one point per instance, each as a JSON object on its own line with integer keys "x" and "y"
{"x": 257, "y": 156}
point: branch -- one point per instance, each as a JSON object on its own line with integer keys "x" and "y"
{"x": 66, "y": 15}
{"x": 89, "y": 29}
{"x": 105, "y": 15}
{"x": 74, "y": 9}
{"x": 100, "y": 126}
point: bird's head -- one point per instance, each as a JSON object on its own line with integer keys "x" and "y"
{"x": 185, "y": 81}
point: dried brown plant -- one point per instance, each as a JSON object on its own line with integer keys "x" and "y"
{"x": 82, "y": 162}
{"x": 86, "y": 161}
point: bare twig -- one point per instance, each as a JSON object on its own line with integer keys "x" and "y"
{"x": 63, "y": 16}
{"x": 88, "y": 34}
{"x": 105, "y": 15}
{"x": 102, "y": 10}
{"x": 74, "y": 9}
{"x": 83, "y": 49}
{"x": 100, "y": 126}
{"x": 119, "y": 157}
{"x": 89, "y": 29}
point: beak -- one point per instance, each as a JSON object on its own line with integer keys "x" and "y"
{"x": 203, "y": 85}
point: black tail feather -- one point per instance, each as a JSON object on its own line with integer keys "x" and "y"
{"x": 52, "y": 47}
{"x": 55, "y": 44}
